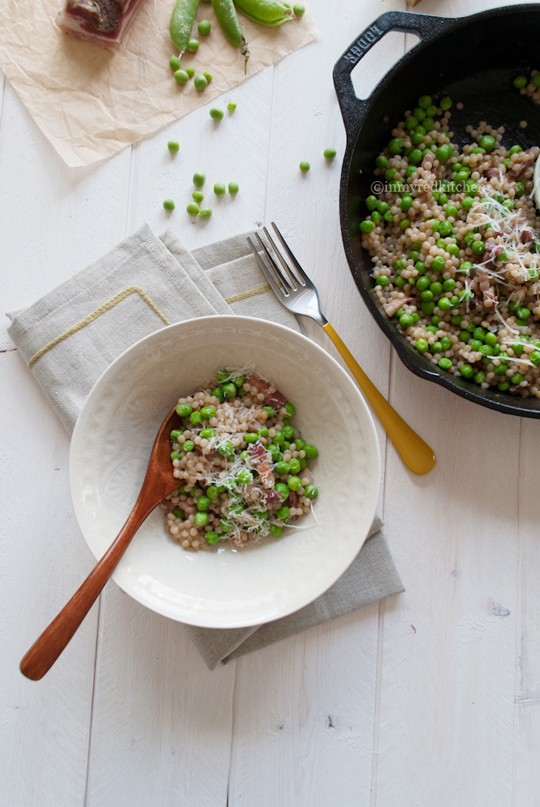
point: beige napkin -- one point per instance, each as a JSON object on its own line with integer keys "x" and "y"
{"x": 90, "y": 102}
{"x": 70, "y": 336}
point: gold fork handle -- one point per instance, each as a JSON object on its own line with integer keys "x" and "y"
{"x": 416, "y": 454}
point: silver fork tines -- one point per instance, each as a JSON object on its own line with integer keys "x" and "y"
{"x": 292, "y": 287}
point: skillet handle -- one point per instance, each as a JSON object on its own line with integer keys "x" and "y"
{"x": 354, "y": 109}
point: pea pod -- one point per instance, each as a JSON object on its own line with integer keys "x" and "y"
{"x": 265, "y": 12}
{"x": 228, "y": 19}
{"x": 182, "y": 20}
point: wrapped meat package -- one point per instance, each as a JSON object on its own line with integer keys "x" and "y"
{"x": 103, "y": 22}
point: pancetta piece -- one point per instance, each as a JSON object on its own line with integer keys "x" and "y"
{"x": 103, "y": 22}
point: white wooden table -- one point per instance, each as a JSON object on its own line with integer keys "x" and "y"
{"x": 431, "y": 699}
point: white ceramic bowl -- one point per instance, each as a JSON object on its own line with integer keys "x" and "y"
{"x": 224, "y": 588}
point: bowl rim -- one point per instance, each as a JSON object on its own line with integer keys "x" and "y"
{"x": 156, "y": 335}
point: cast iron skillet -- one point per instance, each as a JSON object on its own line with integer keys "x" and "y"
{"x": 472, "y": 59}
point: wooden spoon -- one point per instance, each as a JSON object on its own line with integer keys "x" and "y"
{"x": 158, "y": 483}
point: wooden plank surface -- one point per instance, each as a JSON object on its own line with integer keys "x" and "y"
{"x": 431, "y": 699}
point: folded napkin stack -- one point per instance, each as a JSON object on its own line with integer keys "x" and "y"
{"x": 70, "y": 336}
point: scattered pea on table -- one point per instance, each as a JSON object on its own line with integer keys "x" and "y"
{"x": 304, "y": 166}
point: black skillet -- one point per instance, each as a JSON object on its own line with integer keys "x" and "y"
{"x": 472, "y": 59}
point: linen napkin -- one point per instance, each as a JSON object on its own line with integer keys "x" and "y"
{"x": 71, "y": 335}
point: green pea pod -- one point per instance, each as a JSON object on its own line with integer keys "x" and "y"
{"x": 228, "y": 19}
{"x": 265, "y": 12}
{"x": 182, "y": 20}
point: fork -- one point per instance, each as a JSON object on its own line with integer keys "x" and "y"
{"x": 296, "y": 292}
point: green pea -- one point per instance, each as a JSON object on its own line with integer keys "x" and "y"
{"x": 417, "y": 138}
{"x": 195, "y": 418}
{"x": 174, "y": 63}
{"x": 184, "y": 410}
{"x": 446, "y": 229}
{"x": 404, "y": 224}
{"x": 218, "y": 393}
{"x": 173, "y": 146}
{"x": 426, "y": 296}
{"x": 428, "y": 308}
{"x": 376, "y": 217}
{"x": 181, "y": 77}
{"x": 204, "y": 27}
{"x": 229, "y": 390}
{"x": 478, "y": 247}
{"x": 208, "y": 412}
{"x": 445, "y": 364}
{"x": 438, "y": 264}
{"x": 445, "y": 103}
{"x": 419, "y": 113}
{"x": 251, "y": 437}
{"x": 451, "y": 210}
{"x": 406, "y": 320}
{"x": 201, "y": 82}
{"x": 516, "y": 379}
{"x": 288, "y": 431}
{"x": 490, "y": 339}
{"x": 190, "y": 71}
{"x": 424, "y": 102}
{"x": 445, "y": 304}
{"x": 193, "y": 45}
{"x": 203, "y": 502}
{"x": 226, "y": 449}
{"x": 479, "y": 377}
{"x": 367, "y": 226}
{"x": 208, "y": 77}
{"x": 467, "y": 371}
{"x": 192, "y": 209}
{"x": 311, "y": 451}
{"x": 410, "y": 171}
{"x": 212, "y": 537}
{"x": 219, "y": 189}
{"x": 226, "y": 525}
{"x": 443, "y": 153}
{"x": 446, "y": 342}
{"x": 423, "y": 283}
{"x": 488, "y": 143}
{"x": 422, "y": 345}
{"x": 371, "y": 202}
{"x": 270, "y": 410}
{"x": 198, "y": 180}
{"x": 449, "y": 285}
{"x": 175, "y": 435}
{"x": 395, "y": 145}
{"x": 282, "y": 489}
{"x": 523, "y": 313}
{"x": 381, "y": 161}
{"x": 415, "y": 156}
{"x": 431, "y": 111}
{"x": 205, "y": 212}
{"x": 329, "y": 153}
{"x": 179, "y": 513}
{"x": 520, "y": 81}
{"x": 535, "y": 357}
{"x": 500, "y": 369}
{"x": 311, "y": 491}
{"x": 304, "y": 166}
{"x": 244, "y": 477}
{"x": 198, "y": 196}
{"x": 428, "y": 123}
{"x": 188, "y": 445}
{"x": 231, "y": 106}
{"x": 436, "y": 347}
{"x": 212, "y": 492}
{"x": 216, "y": 114}
{"x": 399, "y": 282}
{"x": 168, "y": 204}
{"x": 520, "y": 189}
{"x": 294, "y": 483}
{"x": 466, "y": 267}
{"x": 279, "y": 439}
{"x": 299, "y": 9}
{"x": 175, "y": 455}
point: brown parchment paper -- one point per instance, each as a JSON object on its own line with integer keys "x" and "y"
{"x": 91, "y": 103}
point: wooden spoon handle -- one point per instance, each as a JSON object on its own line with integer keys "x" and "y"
{"x": 54, "y": 639}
